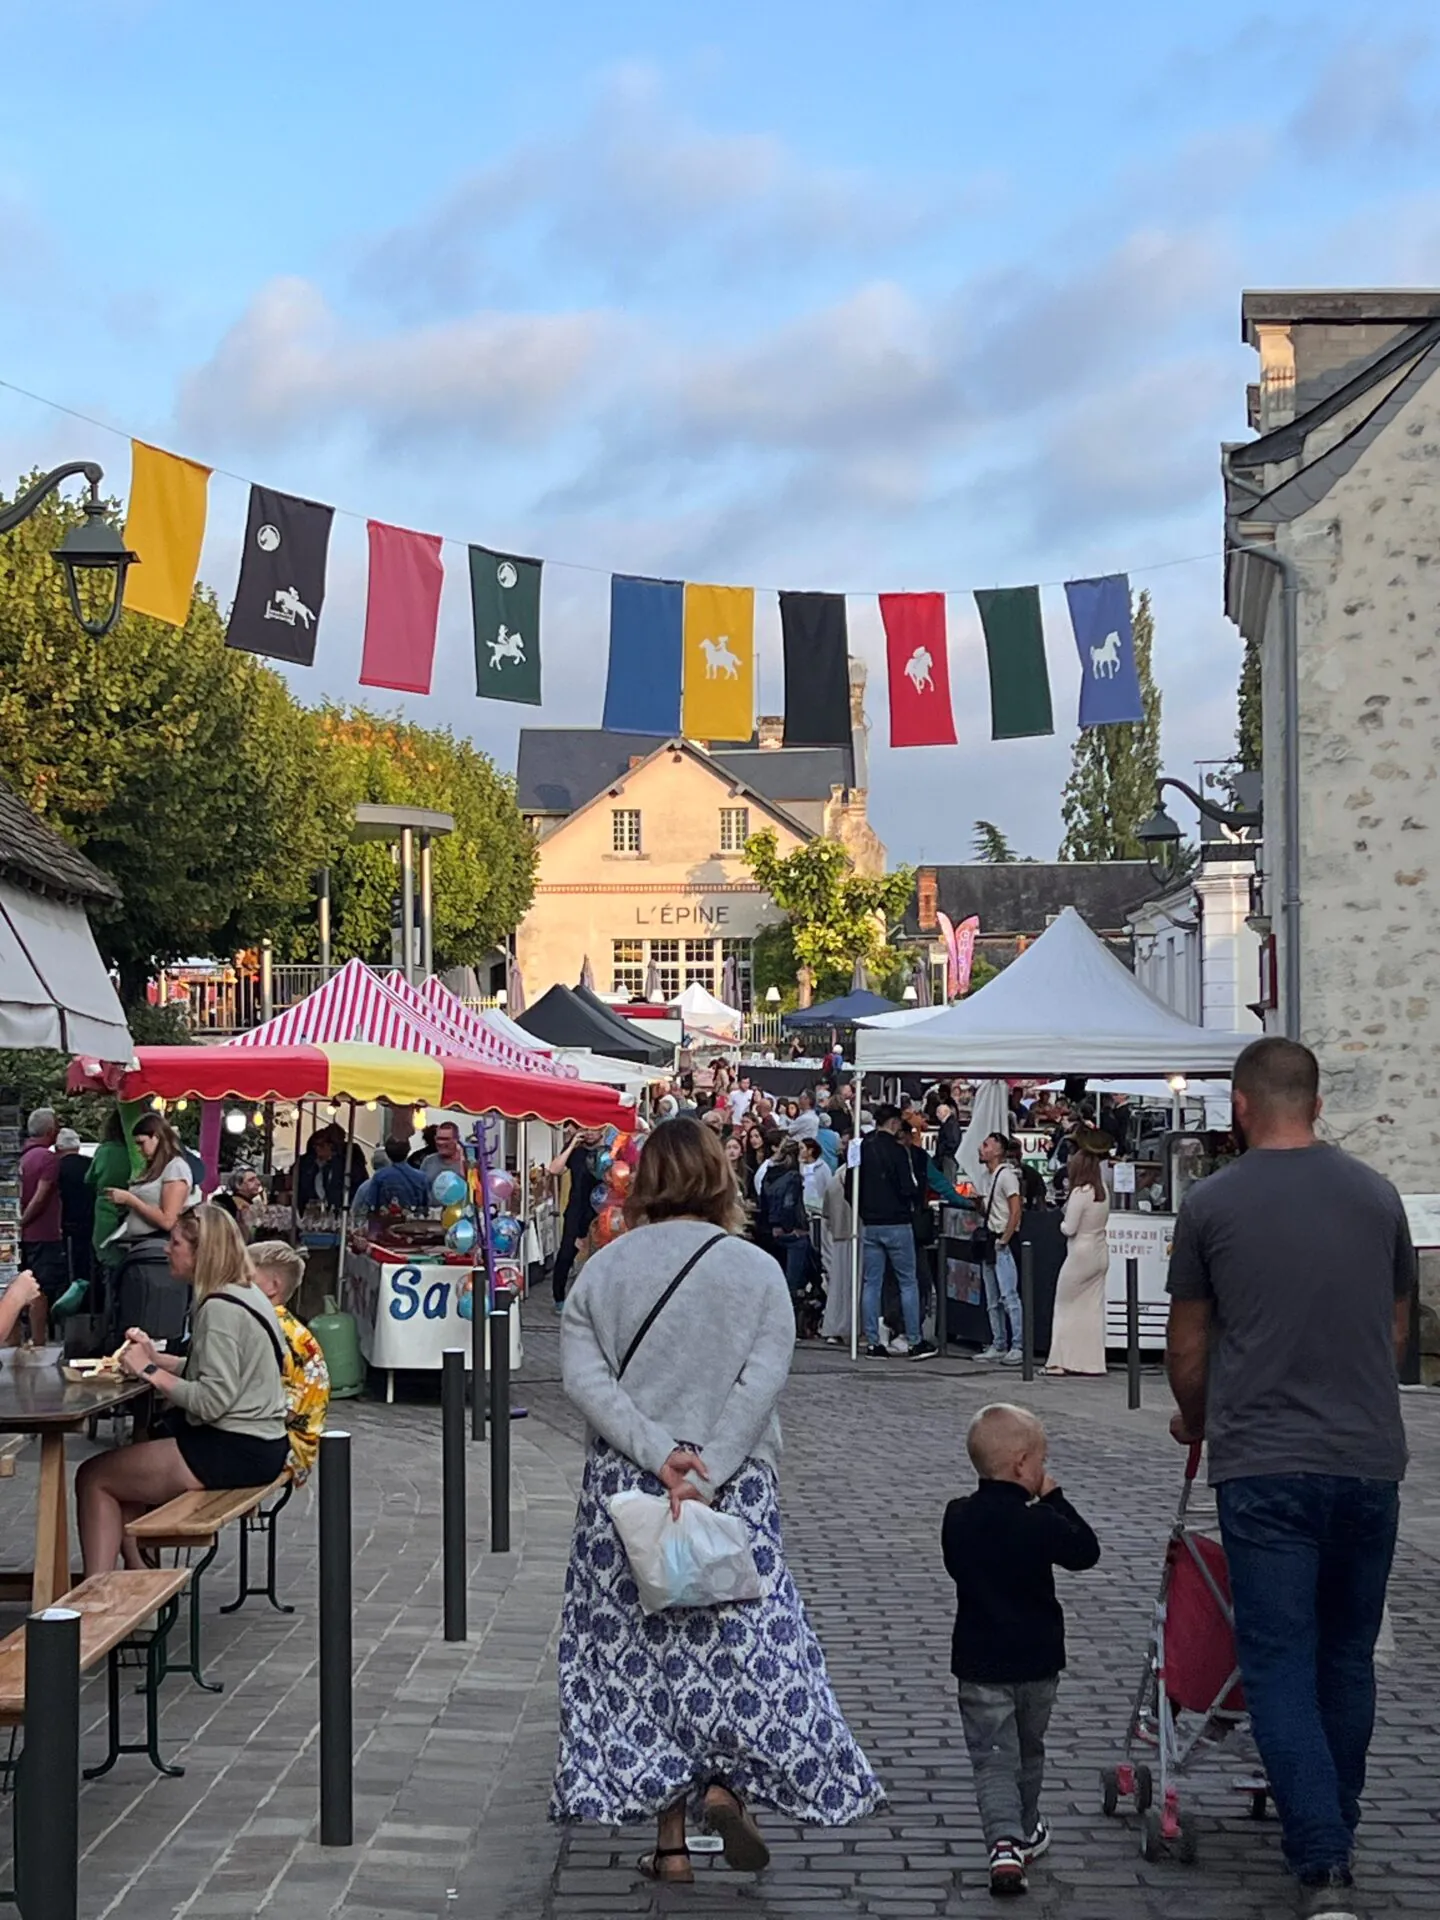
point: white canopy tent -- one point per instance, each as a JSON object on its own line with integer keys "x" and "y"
{"x": 703, "y": 1015}
{"x": 1066, "y": 1006}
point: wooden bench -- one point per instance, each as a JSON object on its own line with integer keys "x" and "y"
{"x": 114, "y": 1608}
{"x": 194, "y": 1523}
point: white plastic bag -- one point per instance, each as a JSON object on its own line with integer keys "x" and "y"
{"x": 703, "y": 1559}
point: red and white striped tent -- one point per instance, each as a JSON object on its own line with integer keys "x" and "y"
{"x": 472, "y": 1032}
{"x": 449, "y": 1006}
{"x": 356, "y": 1005}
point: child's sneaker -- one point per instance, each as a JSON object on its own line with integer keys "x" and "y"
{"x": 1036, "y": 1843}
{"x": 1007, "y": 1870}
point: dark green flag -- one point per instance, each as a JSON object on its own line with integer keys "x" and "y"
{"x": 505, "y": 602}
{"x": 1015, "y": 650}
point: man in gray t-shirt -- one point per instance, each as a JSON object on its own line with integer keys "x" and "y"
{"x": 1290, "y": 1284}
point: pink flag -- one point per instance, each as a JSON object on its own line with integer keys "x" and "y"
{"x": 403, "y": 608}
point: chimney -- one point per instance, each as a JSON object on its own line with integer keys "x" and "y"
{"x": 770, "y": 731}
{"x": 926, "y": 900}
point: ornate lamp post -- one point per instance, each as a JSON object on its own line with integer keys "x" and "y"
{"x": 1160, "y": 834}
{"x": 94, "y": 547}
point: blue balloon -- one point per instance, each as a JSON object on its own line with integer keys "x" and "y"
{"x": 466, "y": 1306}
{"x": 448, "y": 1189}
{"x": 461, "y": 1237}
{"x": 599, "y": 1197}
{"x": 505, "y": 1234}
{"x": 603, "y": 1162}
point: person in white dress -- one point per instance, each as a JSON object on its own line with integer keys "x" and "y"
{"x": 1077, "y": 1339}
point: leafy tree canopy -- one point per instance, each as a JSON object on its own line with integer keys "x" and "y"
{"x": 835, "y": 916}
{"x": 990, "y": 845}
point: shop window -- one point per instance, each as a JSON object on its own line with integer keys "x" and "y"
{"x": 700, "y": 963}
{"x": 739, "y": 952}
{"x": 734, "y": 829}
{"x": 628, "y": 970}
{"x": 665, "y": 959}
{"x": 625, "y": 829}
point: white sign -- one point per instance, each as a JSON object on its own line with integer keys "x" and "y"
{"x": 1124, "y": 1171}
{"x": 1422, "y": 1210}
{"x": 1145, "y": 1238}
{"x": 407, "y": 1315}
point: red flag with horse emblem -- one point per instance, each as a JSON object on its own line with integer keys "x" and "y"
{"x": 919, "y": 667}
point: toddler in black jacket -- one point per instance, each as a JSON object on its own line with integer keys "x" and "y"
{"x": 1001, "y": 1545}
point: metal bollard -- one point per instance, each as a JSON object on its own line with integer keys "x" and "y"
{"x": 452, "y": 1496}
{"x": 479, "y": 1394}
{"x": 1132, "y": 1330}
{"x": 500, "y": 1421}
{"x": 337, "y": 1663}
{"x": 1027, "y": 1310}
{"x": 47, "y": 1793}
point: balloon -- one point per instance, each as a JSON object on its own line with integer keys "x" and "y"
{"x": 620, "y": 1178}
{"x": 505, "y": 1233}
{"x": 609, "y": 1222}
{"x": 461, "y": 1237}
{"x": 599, "y": 1197}
{"x": 628, "y": 1149}
{"x": 610, "y": 1136}
{"x": 465, "y": 1305}
{"x": 502, "y": 1188}
{"x": 449, "y": 1189}
{"x": 451, "y": 1215}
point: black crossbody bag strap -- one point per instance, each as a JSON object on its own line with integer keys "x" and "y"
{"x": 663, "y": 1301}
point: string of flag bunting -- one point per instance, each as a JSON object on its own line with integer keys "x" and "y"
{"x": 681, "y": 654}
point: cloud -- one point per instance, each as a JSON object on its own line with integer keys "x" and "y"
{"x": 1363, "y": 101}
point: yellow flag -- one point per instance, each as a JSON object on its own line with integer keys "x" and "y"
{"x": 164, "y": 526}
{"x": 719, "y": 685}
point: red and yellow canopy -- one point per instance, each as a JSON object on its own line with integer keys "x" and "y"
{"x": 354, "y": 1072}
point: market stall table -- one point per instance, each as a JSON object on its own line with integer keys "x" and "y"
{"x": 407, "y": 1311}
{"x": 39, "y": 1399}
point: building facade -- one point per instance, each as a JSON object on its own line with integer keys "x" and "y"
{"x": 1016, "y": 900}
{"x": 1342, "y": 483}
{"x": 1195, "y": 948}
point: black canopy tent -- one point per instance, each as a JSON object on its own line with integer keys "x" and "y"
{"x": 567, "y": 1017}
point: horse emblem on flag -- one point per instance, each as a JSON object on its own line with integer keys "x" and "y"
{"x": 507, "y": 646}
{"x": 917, "y": 670}
{"x": 1105, "y": 659}
{"x": 285, "y": 604}
{"x": 719, "y": 659}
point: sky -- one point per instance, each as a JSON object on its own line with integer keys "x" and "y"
{"x": 838, "y": 296}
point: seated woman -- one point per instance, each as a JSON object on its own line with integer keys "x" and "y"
{"x": 228, "y": 1395}
{"x": 279, "y": 1270}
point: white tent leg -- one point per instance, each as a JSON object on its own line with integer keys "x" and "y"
{"x": 855, "y": 1233}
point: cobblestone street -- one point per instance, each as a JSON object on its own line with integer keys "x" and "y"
{"x": 455, "y": 1744}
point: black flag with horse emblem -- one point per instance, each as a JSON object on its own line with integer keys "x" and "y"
{"x": 505, "y": 602}
{"x": 282, "y": 577}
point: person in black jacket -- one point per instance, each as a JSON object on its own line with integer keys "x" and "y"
{"x": 1001, "y": 1546}
{"x": 889, "y": 1194}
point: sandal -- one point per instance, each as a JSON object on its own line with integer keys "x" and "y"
{"x": 683, "y": 1875}
{"x": 726, "y": 1814}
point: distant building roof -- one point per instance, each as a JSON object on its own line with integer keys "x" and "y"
{"x": 559, "y": 769}
{"x": 788, "y": 774}
{"x": 1022, "y": 897}
{"x": 36, "y": 855}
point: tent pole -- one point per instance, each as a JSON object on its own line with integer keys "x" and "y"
{"x": 856, "y": 1230}
{"x": 345, "y": 1216}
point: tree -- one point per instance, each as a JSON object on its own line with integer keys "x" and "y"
{"x": 483, "y": 873}
{"x": 835, "y": 915}
{"x": 1249, "y": 734}
{"x": 990, "y": 845}
{"x": 1111, "y": 788}
{"x": 184, "y": 770}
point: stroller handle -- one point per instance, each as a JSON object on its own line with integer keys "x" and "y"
{"x": 1192, "y": 1459}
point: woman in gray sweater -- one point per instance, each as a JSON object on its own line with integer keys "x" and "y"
{"x": 712, "y": 1705}
{"x": 228, "y": 1394}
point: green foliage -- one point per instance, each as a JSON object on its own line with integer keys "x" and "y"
{"x": 484, "y": 872}
{"x": 835, "y": 915}
{"x": 990, "y": 845}
{"x": 1111, "y": 788}
{"x": 773, "y": 964}
{"x": 1249, "y": 734}
{"x": 184, "y": 770}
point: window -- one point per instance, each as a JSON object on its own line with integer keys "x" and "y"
{"x": 739, "y": 952}
{"x": 734, "y": 829}
{"x": 628, "y": 970}
{"x": 625, "y": 829}
{"x": 665, "y": 958}
{"x": 700, "y": 963}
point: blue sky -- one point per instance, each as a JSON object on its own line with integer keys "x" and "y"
{"x": 858, "y": 297}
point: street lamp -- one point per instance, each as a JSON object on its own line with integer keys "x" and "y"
{"x": 94, "y": 547}
{"x": 1160, "y": 834}
{"x": 911, "y": 994}
{"x": 772, "y": 996}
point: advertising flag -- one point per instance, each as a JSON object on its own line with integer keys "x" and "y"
{"x": 817, "y": 669}
{"x": 505, "y": 605}
{"x": 1105, "y": 641}
{"x": 959, "y": 953}
{"x": 282, "y": 577}
{"x": 402, "y": 609}
{"x": 164, "y": 528}
{"x": 919, "y": 668}
{"x": 1015, "y": 650}
{"x": 642, "y": 685}
{"x": 719, "y": 701}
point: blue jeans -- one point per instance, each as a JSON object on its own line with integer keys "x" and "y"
{"x": 899, "y": 1243}
{"x": 1002, "y": 1298}
{"x": 1309, "y": 1558}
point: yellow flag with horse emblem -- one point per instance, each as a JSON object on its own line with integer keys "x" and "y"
{"x": 719, "y": 685}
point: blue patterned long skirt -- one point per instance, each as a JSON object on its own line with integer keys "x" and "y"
{"x": 656, "y": 1706}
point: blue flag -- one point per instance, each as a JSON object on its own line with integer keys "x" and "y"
{"x": 1105, "y": 641}
{"x": 647, "y": 627}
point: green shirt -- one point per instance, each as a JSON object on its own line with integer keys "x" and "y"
{"x": 109, "y": 1167}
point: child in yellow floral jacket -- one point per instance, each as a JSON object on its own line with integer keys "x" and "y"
{"x": 279, "y": 1269}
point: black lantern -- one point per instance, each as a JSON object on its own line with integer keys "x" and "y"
{"x": 1160, "y": 835}
{"x": 92, "y": 548}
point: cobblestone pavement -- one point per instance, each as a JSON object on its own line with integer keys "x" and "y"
{"x": 455, "y": 1743}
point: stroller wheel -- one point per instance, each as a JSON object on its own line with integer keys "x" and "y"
{"x": 1152, "y": 1835}
{"x": 1109, "y": 1793}
{"x": 1189, "y": 1847}
{"x": 1144, "y": 1789}
{"x": 1259, "y": 1804}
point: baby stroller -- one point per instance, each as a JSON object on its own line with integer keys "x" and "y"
{"x": 1190, "y": 1699}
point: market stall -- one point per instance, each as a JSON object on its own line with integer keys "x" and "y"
{"x": 1067, "y": 1007}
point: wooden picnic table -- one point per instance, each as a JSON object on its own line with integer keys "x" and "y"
{"x": 39, "y": 1399}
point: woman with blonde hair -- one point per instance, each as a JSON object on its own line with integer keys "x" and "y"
{"x": 676, "y": 1345}
{"x": 1077, "y": 1337}
{"x": 228, "y": 1400}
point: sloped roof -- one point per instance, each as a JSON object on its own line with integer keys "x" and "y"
{"x": 729, "y": 780}
{"x": 1019, "y": 897}
{"x": 561, "y": 769}
{"x": 35, "y": 854}
{"x": 788, "y": 774}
